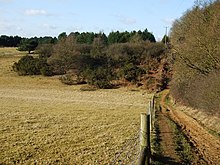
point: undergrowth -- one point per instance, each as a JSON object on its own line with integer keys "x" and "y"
{"x": 183, "y": 147}
{"x": 156, "y": 139}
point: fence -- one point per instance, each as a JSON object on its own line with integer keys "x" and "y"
{"x": 137, "y": 150}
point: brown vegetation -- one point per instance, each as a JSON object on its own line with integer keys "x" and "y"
{"x": 196, "y": 45}
{"x": 101, "y": 61}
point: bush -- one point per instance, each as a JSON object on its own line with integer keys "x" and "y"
{"x": 200, "y": 91}
{"x": 46, "y": 70}
{"x": 99, "y": 77}
{"x": 204, "y": 92}
{"x": 44, "y": 50}
{"x": 64, "y": 57}
{"x": 131, "y": 72}
{"x": 28, "y": 65}
{"x": 68, "y": 80}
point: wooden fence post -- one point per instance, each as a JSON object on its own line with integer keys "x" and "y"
{"x": 150, "y": 112}
{"x": 145, "y": 140}
{"x": 153, "y": 113}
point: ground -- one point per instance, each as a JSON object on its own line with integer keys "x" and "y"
{"x": 205, "y": 147}
{"x": 43, "y": 121}
{"x": 46, "y": 122}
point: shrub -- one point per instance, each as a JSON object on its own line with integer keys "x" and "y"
{"x": 28, "y": 65}
{"x": 199, "y": 91}
{"x": 131, "y": 72}
{"x": 44, "y": 50}
{"x": 67, "y": 79}
{"x": 65, "y": 55}
{"x": 204, "y": 92}
{"x": 46, "y": 70}
{"x": 100, "y": 77}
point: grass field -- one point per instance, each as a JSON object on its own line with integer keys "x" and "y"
{"x": 45, "y": 122}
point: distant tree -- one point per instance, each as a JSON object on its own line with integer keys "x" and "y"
{"x": 62, "y": 35}
{"x": 165, "y": 39}
{"x": 136, "y": 38}
{"x": 104, "y": 38}
{"x": 113, "y": 37}
{"x": 64, "y": 55}
{"x": 26, "y": 66}
{"x": 47, "y": 40}
{"x": 44, "y": 50}
{"x": 85, "y": 37}
{"x": 123, "y": 37}
{"x": 148, "y": 36}
{"x": 131, "y": 72}
{"x": 98, "y": 45}
{"x": 17, "y": 41}
{"x": 28, "y": 45}
{"x": 9, "y": 41}
{"x": 100, "y": 77}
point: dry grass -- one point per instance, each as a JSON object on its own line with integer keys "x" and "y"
{"x": 208, "y": 120}
{"x": 211, "y": 122}
{"x": 45, "y": 122}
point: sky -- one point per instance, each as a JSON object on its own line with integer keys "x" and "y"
{"x": 29, "y": 18}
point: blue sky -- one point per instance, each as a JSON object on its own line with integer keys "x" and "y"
{"x": 30, "y": 18}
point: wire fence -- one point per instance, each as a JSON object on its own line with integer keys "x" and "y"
{"x": 130, "y": 152}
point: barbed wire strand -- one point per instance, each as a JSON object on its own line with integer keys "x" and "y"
{"x": 137, "y": 154}
{"x": 128, "y": 154}
{"x": 123, "y": 150}
{"x": 136, "y": 158}
{"x": 135, "y": 137}
{"x": 132, "y": 149}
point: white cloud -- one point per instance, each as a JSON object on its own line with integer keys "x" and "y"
{"x": 52, "y": 27}
{"x": 18, "y": 28}
{"x": 9, "y": 28}
{"x": 4, "y": 25}
{"x": 35, "y": 12}
{"x": 75, "y": 28}
{"x": 126, "y": 20}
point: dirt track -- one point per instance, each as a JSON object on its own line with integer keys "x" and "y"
{"x": 207, "y": 145}
{"x": 169, "y": 155}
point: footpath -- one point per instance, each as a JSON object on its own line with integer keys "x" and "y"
{"x": 205, "y": 147}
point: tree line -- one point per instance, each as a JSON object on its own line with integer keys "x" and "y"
{"x": 9, "y": 41}
{"x": 84, "y": 37}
